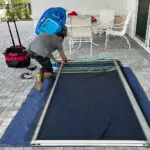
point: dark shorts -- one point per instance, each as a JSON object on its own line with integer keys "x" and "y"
{"x": 43, "y": 61}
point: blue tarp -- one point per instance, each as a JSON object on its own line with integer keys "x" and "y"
{"x": 21, "y": 129}
{"x": 52, "y": 21}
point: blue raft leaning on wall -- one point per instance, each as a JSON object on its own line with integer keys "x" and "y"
{"x": 52, "y": 21}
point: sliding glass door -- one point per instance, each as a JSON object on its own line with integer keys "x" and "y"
{"x": 142, "y": 19}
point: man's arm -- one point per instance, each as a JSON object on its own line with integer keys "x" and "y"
{"x": 61, "y": 52}
{"x": 63, "y": 57}
{"x": 52, "y": 58}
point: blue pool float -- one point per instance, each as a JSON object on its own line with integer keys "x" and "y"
{"x": 52, "y": 21}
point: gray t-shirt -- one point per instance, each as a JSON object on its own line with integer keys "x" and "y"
{"x": 45, "y": 44}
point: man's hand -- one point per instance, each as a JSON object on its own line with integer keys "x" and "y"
{"x": 58, "y": 62}
{"x": 64, "y": 58}
{"x": 52, "y": 58}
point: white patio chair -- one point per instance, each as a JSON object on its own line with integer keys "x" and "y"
{"x": 106, "y": 20}
{"x": 80, "y": 30}
{"x": 119, "y": 30}
{"x": 2, "y": 14}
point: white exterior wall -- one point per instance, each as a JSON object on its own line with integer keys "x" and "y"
{"x": 39, "y": 7}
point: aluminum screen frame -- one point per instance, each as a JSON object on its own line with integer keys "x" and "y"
{"x": 135, "y": 106}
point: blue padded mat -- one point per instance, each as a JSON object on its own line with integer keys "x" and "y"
{"x": 138, "y": 92}
{"x": 22, "y": 127}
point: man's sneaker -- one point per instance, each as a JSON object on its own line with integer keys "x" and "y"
{"x": 48, "y": 74}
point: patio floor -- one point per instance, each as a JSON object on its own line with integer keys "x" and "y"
{"x": 13, "y": 90}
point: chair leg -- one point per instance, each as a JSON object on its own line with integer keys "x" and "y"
{"x": 91, "y": 51}
{"x": 100, "y": 34}
{"x": 108, "y": 37}
{"x": 79, "y": 44}
{"x": 127, "y": 41}
{"x": 70, "y": 43}
{"x": 106, "y": 41}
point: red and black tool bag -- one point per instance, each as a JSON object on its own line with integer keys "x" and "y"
{"x": 16, "y": 56}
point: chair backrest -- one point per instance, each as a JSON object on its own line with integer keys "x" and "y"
{"x": 107, "y": 17}
{"x": 126, "y": 22}
{"x": 2, "y": 13}
{"x": 80, "y": 20}
{"x": 80, "y": 26}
